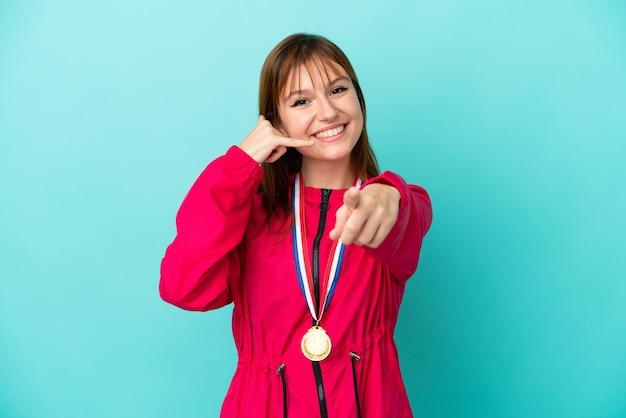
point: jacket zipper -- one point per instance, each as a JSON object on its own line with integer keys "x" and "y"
{"x": 317, "y": 370}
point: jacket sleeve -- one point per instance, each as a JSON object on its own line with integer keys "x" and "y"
{"x": 207, "y": 252}
{"x": 401, "y": 248}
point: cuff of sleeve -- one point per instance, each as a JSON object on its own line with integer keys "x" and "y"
{"x": 394, "y": 180}
{"x": 238, "y": 161}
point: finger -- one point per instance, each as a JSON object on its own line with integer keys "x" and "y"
{"x": 368, "y": 233}
{"x": 352, "y": 197}
{"x": 380, "y": 236}
{"x": 375, "y": 230}
{"x": 340, "y": 220}
{"x": 285, "y": 139}
{"x": 353, "y": 227}
{"x": 283, "y": 143}
{"x": 294, "y": 142}
{"x": 276, "y": 154}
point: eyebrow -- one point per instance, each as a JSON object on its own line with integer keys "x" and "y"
{"x": 298, "y": 92}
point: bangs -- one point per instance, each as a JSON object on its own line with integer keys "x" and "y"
{"x": 320, "y": 62}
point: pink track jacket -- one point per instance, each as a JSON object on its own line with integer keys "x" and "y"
{"x": 224, "y": 252}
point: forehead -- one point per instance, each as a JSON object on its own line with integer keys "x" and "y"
{"x": 314, "y": 70}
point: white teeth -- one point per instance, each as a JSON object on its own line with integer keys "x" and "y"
{"x": 330, "y": 132}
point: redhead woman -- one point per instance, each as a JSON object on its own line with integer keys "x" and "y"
{"x": 298, "y": 228}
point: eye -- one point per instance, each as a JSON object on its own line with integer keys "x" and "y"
{"x": 338, "y": 90}
{"x": 299, "y": 102}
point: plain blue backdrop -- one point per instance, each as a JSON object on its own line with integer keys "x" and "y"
{"x": 510, "y": 113}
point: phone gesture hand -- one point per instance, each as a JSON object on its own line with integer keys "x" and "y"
{"x": 266, "y": 144}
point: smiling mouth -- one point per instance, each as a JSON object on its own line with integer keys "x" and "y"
{"x": 330, "y": 132}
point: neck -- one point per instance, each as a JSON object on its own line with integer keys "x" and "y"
{"x": 327, "y": 174}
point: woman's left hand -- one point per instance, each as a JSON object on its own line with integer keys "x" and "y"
{"x": 367, "y": 215}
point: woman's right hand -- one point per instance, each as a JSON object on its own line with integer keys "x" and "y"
{"x": 266, "y": 144}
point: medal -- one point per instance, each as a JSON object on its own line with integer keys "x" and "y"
{"x": 316, "y": 343}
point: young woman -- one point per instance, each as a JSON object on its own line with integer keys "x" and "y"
{"x": 297, "y": 227}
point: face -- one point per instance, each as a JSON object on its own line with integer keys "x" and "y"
{"x": 324, "y": 107}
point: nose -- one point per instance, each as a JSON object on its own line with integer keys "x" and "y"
{"x": 326, "y": 109}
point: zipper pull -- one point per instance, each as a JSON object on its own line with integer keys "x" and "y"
{"x": 324, "y": 206}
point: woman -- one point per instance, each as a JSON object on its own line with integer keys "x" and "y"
{"x": 297, "y": 227}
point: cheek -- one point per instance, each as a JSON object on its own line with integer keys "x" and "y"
{"x": 358, "y": 114}
{"x": 297, "y": 125}
{"x": 356, "y": 106}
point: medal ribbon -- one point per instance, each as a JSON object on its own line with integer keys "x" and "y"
{"x": 301, "y": 256}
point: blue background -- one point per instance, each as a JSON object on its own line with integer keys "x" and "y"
{"x": 510, "y": 113}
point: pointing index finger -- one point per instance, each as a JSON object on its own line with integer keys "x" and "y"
{"x": 351, "y": 197}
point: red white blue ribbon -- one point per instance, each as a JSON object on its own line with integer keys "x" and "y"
{"x": 302, "y": 259}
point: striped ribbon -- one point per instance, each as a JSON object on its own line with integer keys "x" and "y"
{"x": 302, "y": 259}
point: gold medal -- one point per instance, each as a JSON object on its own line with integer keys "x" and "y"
{"x": 317, "y": 291}
{"x": 316, "y": 344}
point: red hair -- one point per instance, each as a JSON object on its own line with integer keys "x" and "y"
{"x": 314, "y": 53}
